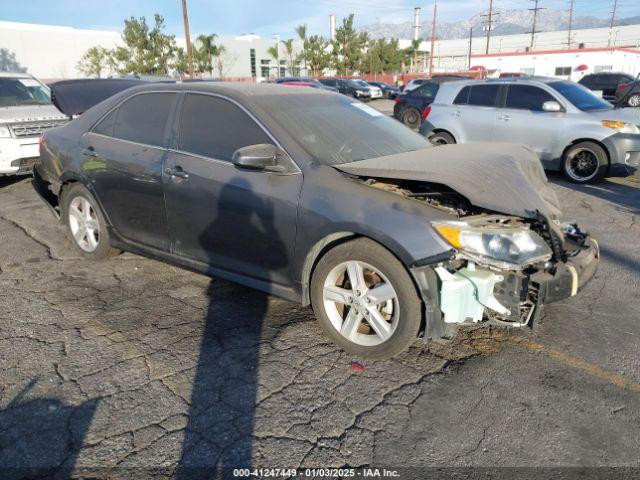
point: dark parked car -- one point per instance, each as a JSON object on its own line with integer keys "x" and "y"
{"x": 411, "y": 105}
{"x": 389, "y": 91}
{"x": 628, "y": 94}
{"x": 348, "y": 87}
{"x": 605, "y": 82}
{"x": 318, "y": 199}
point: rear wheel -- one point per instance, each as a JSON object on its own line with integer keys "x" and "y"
{"x": 634, "y": 100}
{"x": 441, "y": 138}
{"x": 411, "y": 117}
{"x": 365, "y": 300}
{"x": 86, "y": 226}
{"x": 585, "y": 162}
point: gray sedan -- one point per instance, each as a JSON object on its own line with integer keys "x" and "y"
{"x": 569, "y": 127}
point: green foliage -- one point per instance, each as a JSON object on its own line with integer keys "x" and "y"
{"x": 290, "y": 55}
{"x": 318, "y": 55}
{"x": 348, "y": 47}
{"x": 382, "y": 56}
{"x": 204, "y": 53}
{"x": 96, "y": 61}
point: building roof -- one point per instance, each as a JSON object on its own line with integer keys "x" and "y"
{"x": 554, "y": 52}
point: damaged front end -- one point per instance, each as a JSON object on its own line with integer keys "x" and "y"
{"x": 502, "y": 268}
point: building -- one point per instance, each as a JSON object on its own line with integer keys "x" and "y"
{"x": 53, "y": 52}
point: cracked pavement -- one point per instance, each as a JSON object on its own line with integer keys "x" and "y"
{"x": 131, "y": 365}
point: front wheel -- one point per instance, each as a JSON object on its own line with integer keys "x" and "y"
{"x": 365, "y": 300}
{"x": 585, "y": 162}
{"x": 86, "y": 226}
{"x": 634, "y": 100}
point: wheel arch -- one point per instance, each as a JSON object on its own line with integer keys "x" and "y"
{"x": 444, "y": 130}
{"x": 592, "y": 140}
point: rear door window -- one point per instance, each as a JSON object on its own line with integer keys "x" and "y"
{"x": 527, "y": 97}
{"x": 215, "y": 128}
{"x": 463, "y": 96}
{"x": 483, "y": 95}
{"x": 143, "y": 118}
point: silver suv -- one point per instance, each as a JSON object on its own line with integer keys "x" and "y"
{"x": 569, "y": 127}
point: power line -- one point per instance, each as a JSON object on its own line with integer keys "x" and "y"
{"x": 570, "y": 23}
{"x": 488, "y": 23}
{"x": 613, "y": 19}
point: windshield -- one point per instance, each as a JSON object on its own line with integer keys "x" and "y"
{"x": 581, "y": 97}
{"x": 334, "y": 129}
{"x": 23, "y": 91}
{"x": 359, "y": 83}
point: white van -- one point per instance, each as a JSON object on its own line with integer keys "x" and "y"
{"x": 25, "y": 112}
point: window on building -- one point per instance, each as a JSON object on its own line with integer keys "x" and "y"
{"x": 602, "y": 68}
{"x": 527, "y": 97}
{"x": 264, "y": 71}
{"x": 265, "y": 62}
{"x": 252, "y": 57}
{"x": 283, "y": 71}
{"x": 216, "y": 128}
{"x": 143, "y": 118}
{"x": 563, "y": 71}
{"x": 528, "y": 71}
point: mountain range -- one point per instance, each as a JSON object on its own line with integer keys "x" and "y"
{"x": 507, "y": 22}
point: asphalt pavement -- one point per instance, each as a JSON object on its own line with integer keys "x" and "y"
{"x": 130, "y": 368}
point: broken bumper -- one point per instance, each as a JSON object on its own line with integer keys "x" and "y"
{"x": 569, "y": 277}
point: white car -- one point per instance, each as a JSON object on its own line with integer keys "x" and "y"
{"x": 414, "y": 83}
{"x": 25, "y": 112}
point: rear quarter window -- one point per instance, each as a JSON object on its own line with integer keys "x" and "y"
{"x": 463, "y": 96}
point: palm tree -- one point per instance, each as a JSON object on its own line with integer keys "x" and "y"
{"x": 206, "y": 51}
{"x": 415, "y": 49}
{"x": 290, "y": 54}
{"x": 301, "y": 30}
{"x": 274, "y": 51}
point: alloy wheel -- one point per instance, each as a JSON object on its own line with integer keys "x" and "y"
{"x": 361, "y": 303}
{"x": 582, "y": 164}
{"x": 84, "y": 225}
{"x": 634, "y": 100}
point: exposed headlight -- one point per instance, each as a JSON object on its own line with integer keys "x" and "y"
{"x": 4, "y": 131}
{"x": 501, "y": 247}
{"x": 622, "y": 127}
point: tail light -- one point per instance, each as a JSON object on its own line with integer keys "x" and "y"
{"x": 397, "y": 99}
{"x": 623, "y": 86}
{"x": 426, "y": 112}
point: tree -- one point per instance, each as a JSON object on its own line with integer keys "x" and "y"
{"x": 289, "y": 55}
{"x": 204, "y": 52}
{"x": 348, "y": 46}
{"x": 146, "y": 52}
{"x": 224, "y": 60}
{"x": 318, "y": 54}
{"x": 412, "y": 51}
{"x": 180, "y": 62}
{"x": 301, "y": 30}
{"x": 382, "y": 56}
{"x": 95, "y": 61}
{"x": 274, "y": 51}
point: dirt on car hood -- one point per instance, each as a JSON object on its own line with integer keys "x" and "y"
{"x": 502, "y": 177}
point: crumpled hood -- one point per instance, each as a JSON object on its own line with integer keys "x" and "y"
{"x": 503, "y": 177}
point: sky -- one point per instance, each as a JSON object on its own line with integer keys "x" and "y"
{"x": 269, "y": 17}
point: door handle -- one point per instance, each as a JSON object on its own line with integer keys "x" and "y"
{"x": 455, "y": 114}
{"x": 89, "y": 152}
{"x": 176, "y": 172}
{"x": 504, "y": 118}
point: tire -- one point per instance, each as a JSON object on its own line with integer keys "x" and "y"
{"x": 585, "y": 162}
{"x": 441, "y": 138}
{"x": 411, "y": 118}
{"x": 86, "y": 226}
{"x": 397, "y": 317}
{"x": 634, "y": 100}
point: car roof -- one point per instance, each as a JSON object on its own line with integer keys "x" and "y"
{"x": 14, "y": 75}
{"x": 609, "y": 73}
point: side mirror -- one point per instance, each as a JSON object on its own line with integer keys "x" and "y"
{"x": 263, "y": 156}
{"x": 551, "y": 106}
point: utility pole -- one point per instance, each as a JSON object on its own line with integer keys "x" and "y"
{"x": 433, "y": 37}
{"x": 570, "y": 23}
{"x": 470, "y": 40}
{"x": 613, "y": 20}
{"x": 533, "y": 23}
{"x": 185, "y": 17}
{"x": 489, "y": 23}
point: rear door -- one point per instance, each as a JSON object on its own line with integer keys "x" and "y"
{"x": 123, "y": 157}
{"x": 474, "y": 111}
{"x": 522, "y": 120}
{"x": 238, "y": 220}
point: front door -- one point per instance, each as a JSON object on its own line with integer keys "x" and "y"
{"x": 522, "y": 120}
{"x": 238, "y": 220}
{"x": 124, "y": 153}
